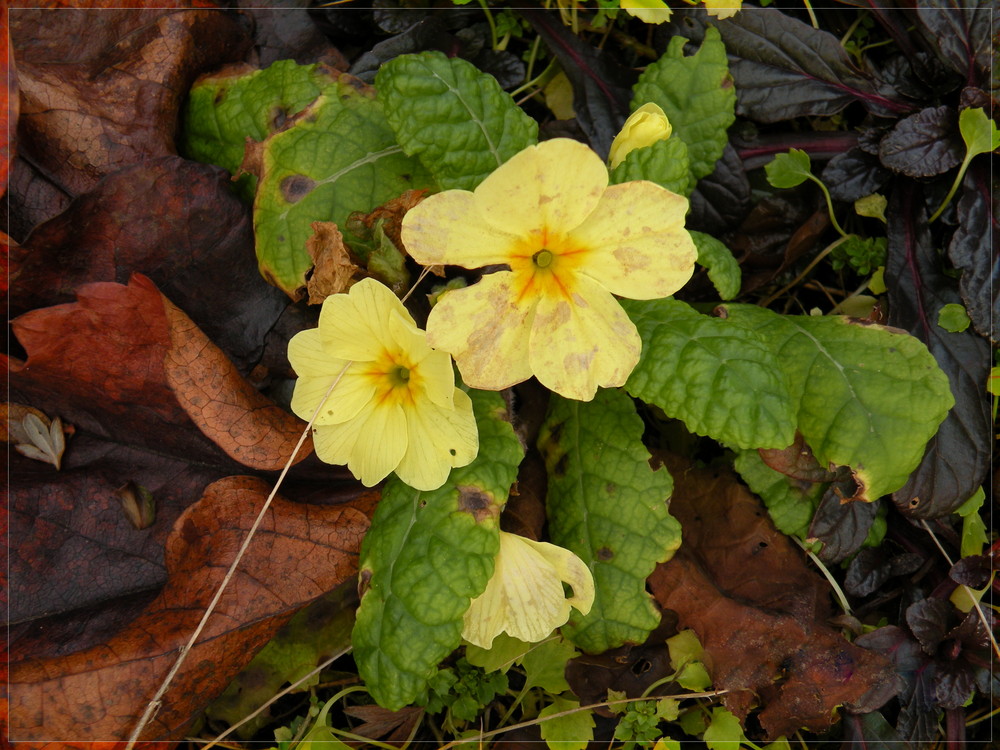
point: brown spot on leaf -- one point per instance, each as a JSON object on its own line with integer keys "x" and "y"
{"x": 364, "y": 581}
{"x": 559, "y": 470}
{"x": 295, "y": 187}
{"x": 604, "y": 554}
{"x": 480, "y": 505}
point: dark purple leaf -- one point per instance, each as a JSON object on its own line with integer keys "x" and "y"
{"x": 979, "y": 221}
{"x": 867, "y": 572}
{"x": 721, "y": 200}
{"x": 971, "y": 632}
{"x": 842, "y": 527}
{"x": 957, "y": 458}
{"x": 954, "y": 685}
{"x": 854, "y": 175}
{"x": 918, "y": 714}
{"x": 796, "y": 461}
{"x": 872, "y": 732}
{"x": 602, "y": 89}
{"x": 925, "y": 144}
{"x": 898, "y": 73}
{"x": 906, "y": 563}
{"x": 973, "y": 572}
{"x": 961, "y": 34}
{"x": 928, "y": 620}
{"x": 286, "y": 31}
{"x": 177, "y": 222}
{"x": 785, "y": 68}
{"x": 429, "y": 33}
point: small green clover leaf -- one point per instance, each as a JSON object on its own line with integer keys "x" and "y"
{"x": 953, "y": 317}
{"x": 789, "y": 170}
{"x": 981, "y": 137}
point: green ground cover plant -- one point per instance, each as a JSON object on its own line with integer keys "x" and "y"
{"x": 478, "y": 375}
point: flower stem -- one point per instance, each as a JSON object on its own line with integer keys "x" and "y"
{"x": 489, "y": 19}
{"x": 826, "y": 251}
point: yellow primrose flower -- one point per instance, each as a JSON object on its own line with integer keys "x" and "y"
{"x": 644, "y": 127}
{"x": 396, "y": 408}
{"x": 650, "y": 11}
{"x": 723, "y": 8}
{"x": 525, "y": 596}
{"x": 570, "y": 242}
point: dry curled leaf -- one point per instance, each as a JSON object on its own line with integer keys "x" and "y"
{"x": 333, "y": 269}
{"x": 759, "y": 612}
{"x": 298, "y": 553}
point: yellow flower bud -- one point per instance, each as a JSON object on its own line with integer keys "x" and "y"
{"x": 644, "y": 127}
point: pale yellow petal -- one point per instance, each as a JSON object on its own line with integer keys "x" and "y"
{"x": 638, "y": 245}
{"x": 524, "y": 597}
{"x": 317, "y": 371}
{"x": 545, "y": 189}
{"x": 570, "y": 569}
{"x": 430, "y": 371}
{"x": 579, "y": 345}
{"x": 334, "y": 443}
{"x": 438, "y": 440}
{"x": 355, "y": 325}
{"x": 650, "y": 11}
{"x": 380, "y": 446}
{"x": 447, "y": 229}
{"x": 485, "y": 329}
{"x": 353, "y": 392}
{"x": 723, "y": 8}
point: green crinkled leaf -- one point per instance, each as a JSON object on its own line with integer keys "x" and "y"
{"x": 697, "y": 95}
{"x": 340, "y": 156}
{"x": 718, "y": 377}
{"x": 865, "y": 396}
{"x": 223, "y": 110}
{"x": 791, "y": 508}
{"x": 609, "y": 507}
{"x": 426, "y": 556}
{"x": 664, "y": 162}
{"x": 723, "y": 269}
{"x": 455, "y": 118}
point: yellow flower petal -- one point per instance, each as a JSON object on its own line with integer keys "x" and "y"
{"x": 639, "y": 246}
{"x": 580, "y": 344}
{"x": 723, "y": 8}
{"x": 650, "y": 11}
{"x": 439, "y": 439}
{"x": 380, "y": 444}
{"x": 430, "y": 371}
{"x": 355, "y": 325}
{"x": 350, "y": 396}
{"x": 447, "y": 229}
{"x": 486, "y": 330}
{"x": 547, "y": 188}
{"x": 525, "y": 597}
{"x": 643, "y": 128}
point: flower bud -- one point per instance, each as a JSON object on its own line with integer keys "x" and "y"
{"x": 644, "y": 127}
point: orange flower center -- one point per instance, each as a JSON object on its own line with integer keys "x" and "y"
{"x": 394, "y": 379}
{"x": 545, "y": 265}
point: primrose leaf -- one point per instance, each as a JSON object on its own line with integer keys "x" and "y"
{"x": 789, "y": 170}
{"x": 697, "y": 95}
{"x": 664, "y": 162}
{"x": 340, "y": 156}
{"x": 608, "y": 506}
{"x": 425, "y": 557}
{"x": 545, "y": 665}
{"x": 865, "y": 396}
{"x": 723, "y": 268}
{"x": 978, "y": 131}
{"x": 790, "y": 505}
{"x": 718, "y": 377}
{"x": 225, "y": 109}
{"x": 456, "y": 119}
{"x": 974, "y": 536}
{"x": 570, "y": 732}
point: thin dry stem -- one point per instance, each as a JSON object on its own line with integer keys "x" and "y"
{"x": 157, "y": 700}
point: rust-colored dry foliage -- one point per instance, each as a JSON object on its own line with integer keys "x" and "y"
{"x": 760, "y": 612}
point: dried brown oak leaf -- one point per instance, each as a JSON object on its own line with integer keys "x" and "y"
{"x": 101, "y": 88}
{"x": 760, "y": 613}
{"x": 125, "y": 363}
{"x": 175, "y": 221}
{"x": 298, "y": 553}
